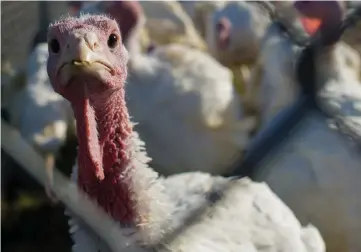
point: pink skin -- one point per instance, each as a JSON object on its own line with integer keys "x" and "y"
{"x": 90, "y": 74}
{"x": 322, "y": 16}
{"x": 223, "y": 29}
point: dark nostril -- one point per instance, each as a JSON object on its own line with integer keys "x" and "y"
{"x": 95, "y": 45}
{"x": 92, "y": 45}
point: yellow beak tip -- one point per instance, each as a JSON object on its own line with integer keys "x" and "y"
{"x": 80, "y": 63}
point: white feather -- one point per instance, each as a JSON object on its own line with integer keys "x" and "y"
{"x": 37, "y": 111}
{"x": 181, "y": 95}
{"x": 318, "y": 173}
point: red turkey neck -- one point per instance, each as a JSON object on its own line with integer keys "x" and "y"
{"x": 103, "y": 128}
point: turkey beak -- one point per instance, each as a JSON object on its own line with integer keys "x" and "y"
{"x": 80, "y": 50}
{"x": 82, "y": 54}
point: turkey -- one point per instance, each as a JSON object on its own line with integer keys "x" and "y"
{"x": 309, "y": 154}
{"x": 234, "y": 36}
{"x": 199, "y": 12}
{"x": 182, "y": 94}
{"x": 353, "y": 35}
{"x": 272, "y": 85}
{"x": 234, "y": 31}
{"x": 99, "y": 7}
{"x": 167, "y": 22}
{"x": 87, "y": 65}
{"x": 41, "y": 115}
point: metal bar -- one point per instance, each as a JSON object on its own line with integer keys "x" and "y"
{"x": 271, "y": 138}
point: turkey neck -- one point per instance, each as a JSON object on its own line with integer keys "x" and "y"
{"x": 104, "y": 128}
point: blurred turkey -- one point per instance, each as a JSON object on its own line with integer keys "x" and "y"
{"x": 199, "y": 12}
{"x": 353, "y": 35}
{"x": 309, "y": 153}
{"x": 99, "y": 7}
{"x": 189, "y": 114}
{"x": 43, "y": 117}
{"x": 272, "y": 85}
{"x": 167, "y": 22}
{"x": 232, "y": 34}
{"x": 234, "y": 31}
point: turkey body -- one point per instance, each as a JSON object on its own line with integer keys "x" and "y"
{"x": 123, "y": 184}
{"x": 40, "y": 114}
{"x": 168, "y": 22}
{"x": 272, "y": 86}
{"x": 43, "y": 117}
{"x": 316, "y": 170}
{"x": 320, "y": 166}
{"x": 213, "y": 213}
{"x": 181, "y": 95}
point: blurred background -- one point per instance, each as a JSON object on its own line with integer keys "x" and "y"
{"x": 30, "y": 221}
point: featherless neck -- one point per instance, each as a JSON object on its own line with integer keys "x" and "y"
{"x": 104, "y": 129}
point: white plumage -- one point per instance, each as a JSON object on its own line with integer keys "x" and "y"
{"x": 272, "y": 85}
{"x": 38, "y": 106}
{"x": 181, "y": 95}
{"x": 318, "y": 173}
{"x": 248, "y": 22}
{"x": 41, "y": 115}
{"x": 168, "y": 22}
{"x": 233, "y": 35}
{"x": 220, "y": 214}
{"x": 199, "y": 12}
{"x": 206, "y": 214}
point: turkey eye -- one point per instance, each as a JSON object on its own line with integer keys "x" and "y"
{"x": 112, "y": 40}
{"x": 54, "y": 46}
